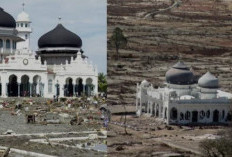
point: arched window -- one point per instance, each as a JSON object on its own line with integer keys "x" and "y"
{"x": 202, "y": 114}
{"x": 21, "y": 24}
{"x": 49, "y": 86}
{"x": 1, "y": 43}
{"x": 26, "y": 36}
{"x": 26, "y": 25}
{"x": 8, "y": 44}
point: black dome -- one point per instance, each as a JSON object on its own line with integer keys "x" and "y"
{"x": 6, "y": 20}
{"x": 180, "y": 74}
{"x": 60, "y": 37}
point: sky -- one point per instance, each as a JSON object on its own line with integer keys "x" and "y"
{"x": 86, "y": 18}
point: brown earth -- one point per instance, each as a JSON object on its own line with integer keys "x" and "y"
{"x": 147, "y": 136}
{"x": 198, "y": 31}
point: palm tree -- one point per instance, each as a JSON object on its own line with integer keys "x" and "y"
{"x": 102, "y": 83}
{"x": 118, "y": 40}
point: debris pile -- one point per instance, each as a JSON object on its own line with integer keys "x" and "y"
{"x": 25, "y": 119}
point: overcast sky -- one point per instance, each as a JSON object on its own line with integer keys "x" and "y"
{"x": 86, "y": 18}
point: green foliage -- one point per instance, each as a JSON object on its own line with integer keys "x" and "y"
{"x": 102, "y": 83}
{"x": 118, "y": 40}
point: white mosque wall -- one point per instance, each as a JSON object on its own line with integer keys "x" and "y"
{"x": 201, "y": 110}
{"x": 23, "y": 63}
{"x": 212, "y": 106}
{"x": 24, "y": 44}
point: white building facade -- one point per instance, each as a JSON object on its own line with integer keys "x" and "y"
{"x": 185, "y": 100}
{"x": 57, "y": 68}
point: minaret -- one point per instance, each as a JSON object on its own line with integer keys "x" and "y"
{"x": 23, "y": 26}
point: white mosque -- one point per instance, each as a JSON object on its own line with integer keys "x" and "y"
{"x": 185, "y": 100}
{"x": 57, "y": 68}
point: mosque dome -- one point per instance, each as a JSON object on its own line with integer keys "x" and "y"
{"x": 180, "y": 74}
{"x": 208, "y": 80}
{"x": 23, "y": 17}
{"x": 60, "y": 37}
{"x": 6, "y": 20}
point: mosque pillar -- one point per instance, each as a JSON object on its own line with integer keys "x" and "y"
{"x": 84, "y": 89}
{"x": 30, "y": 86}
{"x": 62, "y": 91}
{"x": 36, "y": 88}
{"x": 3, "y": 89}
{"x": 168, "y": 115}
{"x": 151, "y": 109}
{"x": 44, "y": 91}
{"x": 45, "y": 88}
{"x": 18, "y": 89}
{"x": 6, "y": 89}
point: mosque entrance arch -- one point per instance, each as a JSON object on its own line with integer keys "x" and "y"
{"x": 89, "y": 86}
{"x": 13, "y": 86}
{"x": 194, "y": 116}
{"x": 215, "y": 116}
{"x": 25, "y": 86}
{"x": 79, "y": 86}
{"x": 69, "y": 87}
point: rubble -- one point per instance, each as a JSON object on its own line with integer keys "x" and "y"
{"x": 9, "y": 132}
{"x": 4, "y": 152}
{"x": 45, "y": 118}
